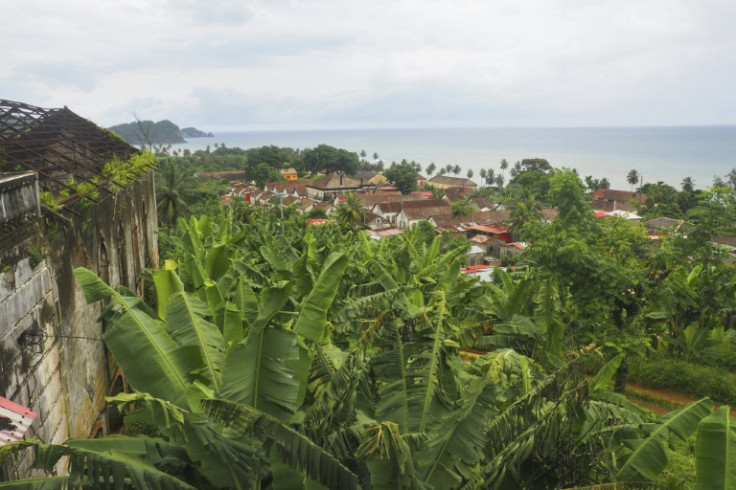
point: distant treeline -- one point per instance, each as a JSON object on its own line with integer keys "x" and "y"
{"x": 262, "y": 164}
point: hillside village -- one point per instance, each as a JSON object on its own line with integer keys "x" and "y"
{"x": 387, "y": 212}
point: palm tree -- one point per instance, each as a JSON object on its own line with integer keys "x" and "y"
{"x": 350, "y": 212}
{"x": 523, "y": 210}
{"x": 430, "y": 169}
{"x": 174, "y": 186}
{"x": 632, "y": 178}
{"x": 500, "y": 180}
{"x": 504, "y": 164}
{"x": 470, "y": 173}
{"x": 456, "y": 170}
{"x": 483, "y": 174}
{"x": 688, "y": 185}
{"x": 490, "y": 177}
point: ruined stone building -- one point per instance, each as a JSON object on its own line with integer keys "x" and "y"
{"x": 63, "y": 204}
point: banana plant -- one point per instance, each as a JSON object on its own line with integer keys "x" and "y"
{"x": 305, "y": 360}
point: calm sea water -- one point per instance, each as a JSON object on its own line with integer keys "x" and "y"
{"x": 665, "y": 154}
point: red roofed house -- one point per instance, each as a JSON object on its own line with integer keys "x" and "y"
{"x": 512, "y": 249}
{"x": 412, "y": 212}
{"x": 499, "y": 231}
{"x": 318, "y": 221}
{"x": 333, "y": 184}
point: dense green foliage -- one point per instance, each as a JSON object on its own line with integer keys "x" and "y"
{"x": 314, "y": 355}
{"x": 687, "y": 378}
{"x": 277, "y": 355}
{"x": 403, "y": 175}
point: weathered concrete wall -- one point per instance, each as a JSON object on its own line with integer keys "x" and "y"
{"x": 115, "y": 239}
{"x": 29, "y": 376}
{"x": 67, "y": 378}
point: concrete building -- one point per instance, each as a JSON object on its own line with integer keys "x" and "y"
{"x": 63, "y": 204}
{"x": 332, "y": 185}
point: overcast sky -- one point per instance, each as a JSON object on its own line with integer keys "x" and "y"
{"x": 290, "y": 64}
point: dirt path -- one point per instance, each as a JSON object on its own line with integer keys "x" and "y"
{"x": 672, "y": 397}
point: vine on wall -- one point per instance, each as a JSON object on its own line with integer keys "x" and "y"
{"x": 121, "y": 172}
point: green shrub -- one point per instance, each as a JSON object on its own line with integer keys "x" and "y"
{"x": 722, "y": 355}
{"x": 686, "y": 378}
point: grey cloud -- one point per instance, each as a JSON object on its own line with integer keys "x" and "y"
{"x": 379, "y": 62}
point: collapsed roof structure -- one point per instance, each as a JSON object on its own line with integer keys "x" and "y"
{"x": 59, "y": 144}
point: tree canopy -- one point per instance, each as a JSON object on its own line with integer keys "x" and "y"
{"x": 403, "y": 175}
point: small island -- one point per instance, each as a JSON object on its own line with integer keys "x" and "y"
{"x": 195, "y": 133}
{"x": 156, "y": 133}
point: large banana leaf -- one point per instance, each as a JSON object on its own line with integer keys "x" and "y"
{"x": 132, "y": 336}
{"x": 112, "y": 462}
{"x": 188, "y": 327}
{"x": 382, "y": 275}
{"x": 217, "y": 261}
{"x": 648, "y": 457}
{"x": 547, "y": 315}
{"x": 312, "y": 317}
{"x": 167, "y": 283}
{"x": 225, "y": 462}
{"x": 45, "y": 483}
{"x": 390, "y": 368}
{"x": 389, "y": 458}
{"x": 257, "y": 370}
{"x": 456, "y": 447}
{"x": 715, "y": 452}
{"x": 246, "y": 301}
{"x": 423, "y": 373}
{"x": 292, "y": 447}
{"x": 257, "y": 373}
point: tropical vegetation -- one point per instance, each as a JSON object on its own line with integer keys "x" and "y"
{"x": 270, "y": 354}
{"x": 315, "y": 357}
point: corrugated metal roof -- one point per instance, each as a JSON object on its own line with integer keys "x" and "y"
{"x": 14, "y": 420}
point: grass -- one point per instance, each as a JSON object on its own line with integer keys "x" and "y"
{"x": 690, "y": 379}
{"x": 634, "y": 395}
{"x": 680, "y": 471}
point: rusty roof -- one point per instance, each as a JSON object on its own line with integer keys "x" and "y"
{"x": 336, "y": 181}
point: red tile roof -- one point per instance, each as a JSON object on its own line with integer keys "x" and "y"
{"x": 496, "y": 229}
{"x": 336, "y": 181}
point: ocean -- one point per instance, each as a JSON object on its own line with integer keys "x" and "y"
{"x": 666, "y": 154}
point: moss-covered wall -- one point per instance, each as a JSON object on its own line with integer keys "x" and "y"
{"x": 115, "y": 239}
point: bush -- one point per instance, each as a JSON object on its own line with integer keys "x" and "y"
{"x": 690, "y": 379}
{"x": 722, "y": 355}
